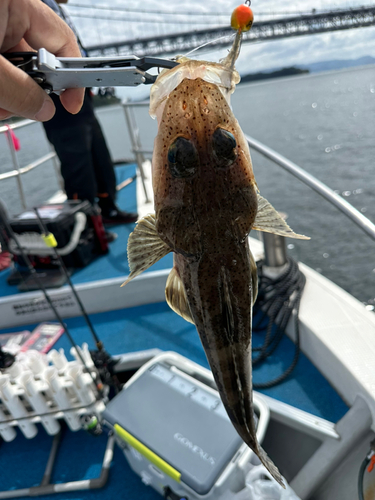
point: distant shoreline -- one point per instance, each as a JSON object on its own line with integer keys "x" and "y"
{"x": 279, "y": 73}
{"x": 305, "y": 75}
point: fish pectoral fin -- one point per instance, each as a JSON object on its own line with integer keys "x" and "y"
{"x": 176, "y": 296}
{"x": 270, "y": 221}
{"x": 145, "y": 247}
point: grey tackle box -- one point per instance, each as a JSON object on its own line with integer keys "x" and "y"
{"x": 175, "y": 431}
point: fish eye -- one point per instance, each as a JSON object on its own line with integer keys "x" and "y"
{"x": 183, "y": 158}
{"x": 224, "y": 147}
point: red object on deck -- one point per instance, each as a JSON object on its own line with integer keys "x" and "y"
{"x": 16, "y": 142}
{"x": 371, "y": 464}
{"x": 5, "y": 260}
{"x": 100, "y": 232}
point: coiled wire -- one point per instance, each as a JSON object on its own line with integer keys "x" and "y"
{"x": 277, "y": 300}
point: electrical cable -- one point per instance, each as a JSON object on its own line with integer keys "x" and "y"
{"x": 277, "y": 300}
{"x": 361, "y": 475}
{"x": 367, "y": 464}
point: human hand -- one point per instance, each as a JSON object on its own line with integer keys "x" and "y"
{"x": 30, "y": 25}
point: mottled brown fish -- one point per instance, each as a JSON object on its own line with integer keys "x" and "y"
{"x": 206, "y": 203}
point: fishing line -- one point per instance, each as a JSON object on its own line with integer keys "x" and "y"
{"x": 149, "y": 21}
{"x": 208, "y": 43}
{"x": 277, "y": 300}
{"x": 188, "y": 13}
{"x": 148, "y": 11}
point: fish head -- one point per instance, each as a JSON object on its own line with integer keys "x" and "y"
{"x": 204, "y": 187}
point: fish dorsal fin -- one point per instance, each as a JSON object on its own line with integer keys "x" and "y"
{"x": 270, "y": 221}
{"x": 176, "y": 296}
{"x": 145, "y": 247}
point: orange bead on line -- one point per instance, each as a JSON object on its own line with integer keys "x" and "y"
{"x": 242, "y": 18}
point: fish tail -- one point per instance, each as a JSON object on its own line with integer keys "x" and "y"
{"x": 270, "y": 466}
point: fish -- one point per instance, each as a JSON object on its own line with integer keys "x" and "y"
{"x": 206, "y": 203}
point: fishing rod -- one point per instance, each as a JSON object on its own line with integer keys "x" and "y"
{"x": 101, "y": 358}
{"x": 50, "y": 240}
{"x": 40, "y": 283}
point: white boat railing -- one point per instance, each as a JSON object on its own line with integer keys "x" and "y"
{"x": 18, "y": 171}
{"x": 136, "y": 140}
{"x": 346, "y": 208}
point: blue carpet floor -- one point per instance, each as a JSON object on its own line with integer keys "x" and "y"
{"x": 22, "y": 461}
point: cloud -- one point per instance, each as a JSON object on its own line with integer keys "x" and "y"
{"x": 348, "y": 44}
{"x": 307, "y": 49}
{"x": 128, "y": 25}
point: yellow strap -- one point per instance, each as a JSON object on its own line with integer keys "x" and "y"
{"x": 50, "y": 240}
{"x": 147, "y": 453}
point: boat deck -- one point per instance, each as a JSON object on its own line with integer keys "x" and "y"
{"x": 115, "y": 263}
{"x": 156, "y": 325}
{"x": 22, "y": 461}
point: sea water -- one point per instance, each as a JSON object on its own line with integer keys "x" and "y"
{"x": 324, "y": 122}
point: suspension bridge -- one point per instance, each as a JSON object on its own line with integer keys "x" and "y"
{"x": 181, "y": 37}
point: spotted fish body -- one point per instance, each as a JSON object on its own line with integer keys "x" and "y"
{"x": 205, "y": 216}
{"x": 206, "y": 203}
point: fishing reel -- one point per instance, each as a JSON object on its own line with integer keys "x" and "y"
{"x": 6, "y": 359}
{"x": 90, "y": 423}
{"x": 105, "y": 365}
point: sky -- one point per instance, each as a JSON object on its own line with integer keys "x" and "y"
{"x": 263, "y": 56}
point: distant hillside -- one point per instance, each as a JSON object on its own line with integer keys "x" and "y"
{"x": 338, "y": 64}
{"x": 293, "y": 70}
{"x": 309, "y": 68}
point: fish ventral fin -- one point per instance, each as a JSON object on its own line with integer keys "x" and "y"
{"x": 254, "y": 277}
{"x": 270, "y": 221}
{"x": 145, "y": 247}
{"x": 176, "y": 296}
